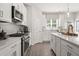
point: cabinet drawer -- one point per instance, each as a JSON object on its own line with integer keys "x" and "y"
{"x": 64, "y": 43}
{"x": 63, "y": 49}
{"x": 73, "y": 48}
{"x": 71, "y": 53}
{"x": 70, "y": 46}
{"x": 5, "y": 51}
{"x": 13, "y": 46}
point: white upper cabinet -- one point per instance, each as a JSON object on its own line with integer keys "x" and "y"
{"x": 5, "y": 12}
{"x": 24, "y": 12}
{"x": 18, "y": 6}
{"x": 22, "y": 9}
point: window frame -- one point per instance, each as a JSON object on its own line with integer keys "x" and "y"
{"x": 52, "y": 23}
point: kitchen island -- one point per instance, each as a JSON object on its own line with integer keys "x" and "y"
{"x": 64, "y": 45}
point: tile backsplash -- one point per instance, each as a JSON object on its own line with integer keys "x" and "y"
{"x": 9, "y": 28}
{"x": 1, "y": 13}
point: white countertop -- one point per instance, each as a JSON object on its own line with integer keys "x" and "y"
{"x": 71, "y": 39}
{"x": 8, "y": 41}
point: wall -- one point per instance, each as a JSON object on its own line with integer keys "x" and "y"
{"x": 9, "y": 28}
{"x": 35, "y": 22}
{"x": 65, "y": 21}
{"x": 76, "y": 19}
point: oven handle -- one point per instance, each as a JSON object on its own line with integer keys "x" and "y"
{"x": 27, "y": 37}
{"x": 23, "y": 38}
{"x": 26, "y": 40}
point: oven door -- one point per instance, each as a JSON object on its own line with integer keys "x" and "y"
{"x": 26, "y": 44}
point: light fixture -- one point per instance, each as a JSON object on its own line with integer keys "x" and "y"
{"x": 68, "y": 14}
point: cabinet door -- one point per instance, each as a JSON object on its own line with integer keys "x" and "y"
{"x": 13, "y": 52}
{"x": 71, "y": 53}
{"x": 13, "y": 49}
{"x": 67, "y": 49}
{"x": 5, "y": 52}
{"x": 63, "y": 48}
{"x": 57, "y": 46}
{"x": 53, "y": 43}
{"x": 18, "y": 6}
{"x": 19, "y": 48}
{"x": 5, "y": 12}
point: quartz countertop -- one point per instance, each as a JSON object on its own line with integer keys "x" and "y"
{"x": 71, "y": 39}
{"x": 5, "y": 43}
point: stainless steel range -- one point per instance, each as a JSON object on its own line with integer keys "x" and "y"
{"x": 24, "y": 44}
{"x": 24, "y": 40}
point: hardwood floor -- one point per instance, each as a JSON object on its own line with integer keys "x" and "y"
{"x": 41, "y": 49}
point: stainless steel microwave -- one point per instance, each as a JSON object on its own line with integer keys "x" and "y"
{"x": 16, "y": 15}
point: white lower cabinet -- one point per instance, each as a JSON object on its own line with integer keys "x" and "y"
{"x": 62, "y": 47}
{"x": 63, "y": 51}
{"x": 57, "y": 46}
{"x": 12, "y": 50}
{"x": 52, "y": 42}
{"x": 71, "y": 53}
{"x": 68, "y": 49}
{"x": 16, "y": 49}
{"x": 19, "y": 48}
{"x": 5, "y": 52}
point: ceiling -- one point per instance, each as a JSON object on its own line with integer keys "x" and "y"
{"x": 57, "y": 7}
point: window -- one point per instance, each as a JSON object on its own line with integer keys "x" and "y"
{"x": 52, "y": 23}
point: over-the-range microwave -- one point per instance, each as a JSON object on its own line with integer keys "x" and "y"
{"x": 16, "y": 15}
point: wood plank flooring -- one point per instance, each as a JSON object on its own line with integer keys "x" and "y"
{"x": 41, "y": 49}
